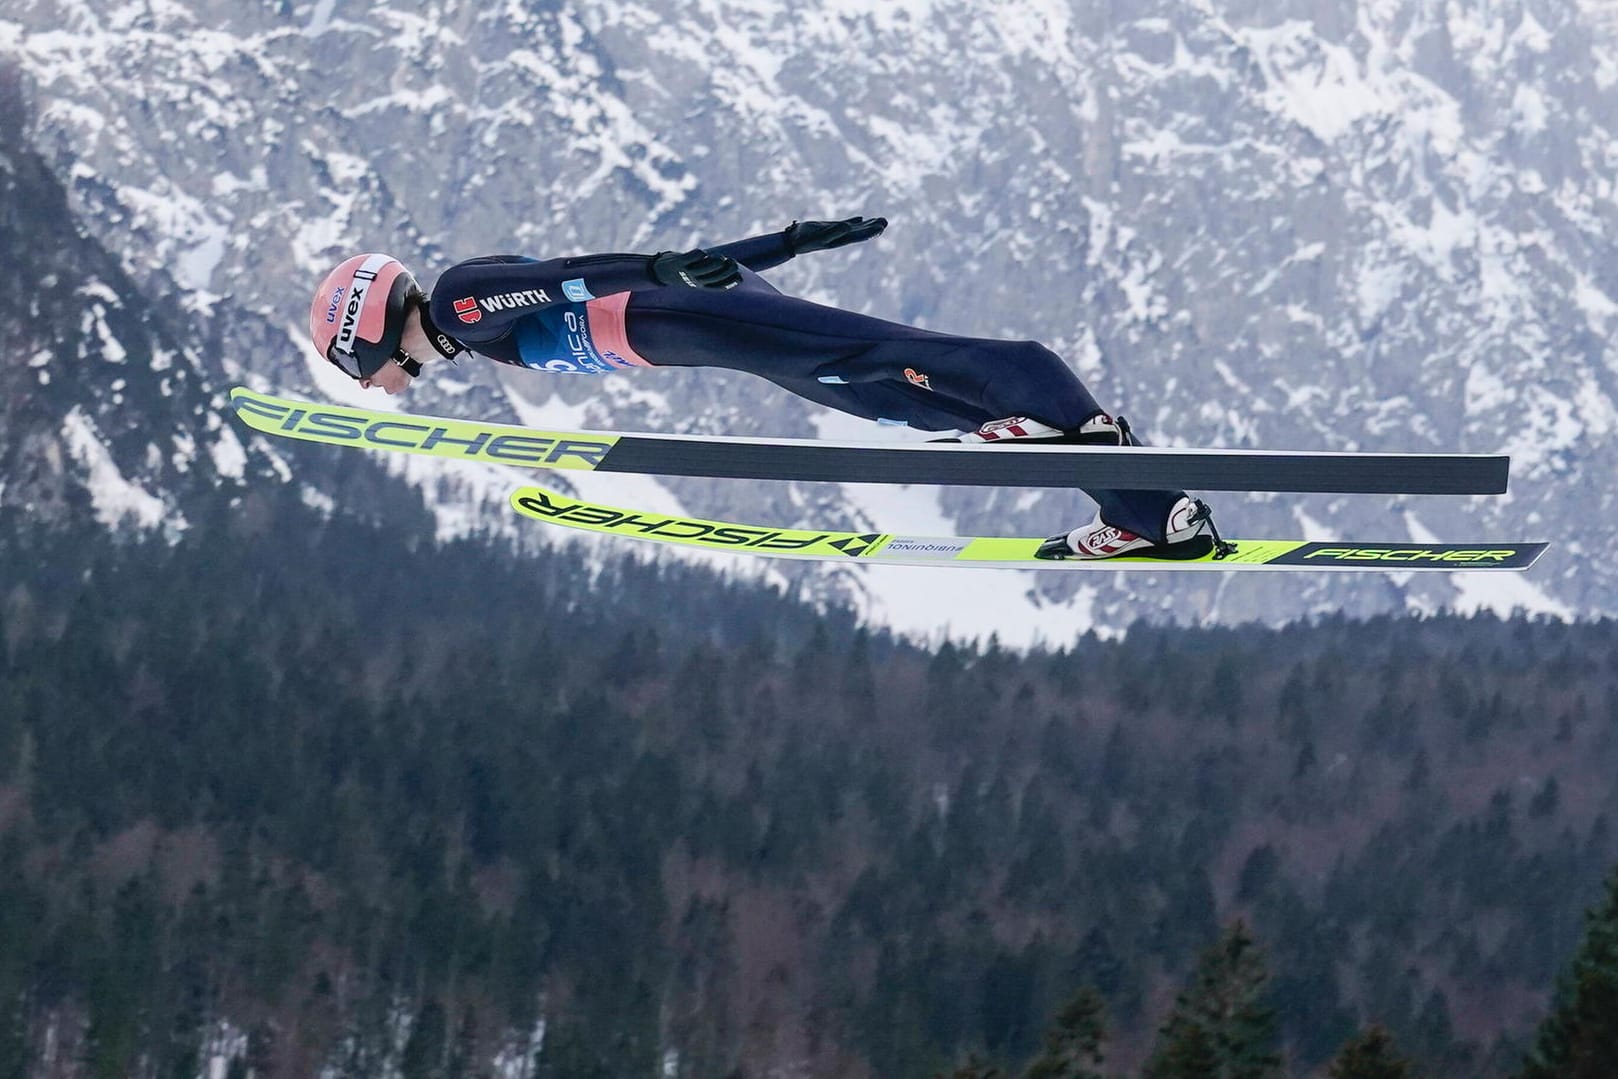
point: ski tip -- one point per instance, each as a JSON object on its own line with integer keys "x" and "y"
{"x": 243, "y": 399}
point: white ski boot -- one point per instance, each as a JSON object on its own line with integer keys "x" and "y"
{"x": 1098, "y": 430}
{"x": 1190, "y": 534}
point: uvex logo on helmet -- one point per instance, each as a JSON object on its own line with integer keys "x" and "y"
{"x": 336, "y": 303}
{"x": 351, "y": 313}
{"x": 359, "y": 312}
{"x": 466, "y": 309}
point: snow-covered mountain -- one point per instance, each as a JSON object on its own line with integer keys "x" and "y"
{"x": 1381, "y": 224}
{"x": 106, "y": 415}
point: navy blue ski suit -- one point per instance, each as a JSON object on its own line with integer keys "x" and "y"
{"x": 602, "y": 313}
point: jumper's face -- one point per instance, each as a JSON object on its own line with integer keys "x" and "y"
{"x": 390, "y": 376}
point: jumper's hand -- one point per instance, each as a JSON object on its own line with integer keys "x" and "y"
{"x": 698, "y": 269}
{"x": 820, "y": 235}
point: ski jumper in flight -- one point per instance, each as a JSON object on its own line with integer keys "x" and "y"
{"x": 597, "y": 314}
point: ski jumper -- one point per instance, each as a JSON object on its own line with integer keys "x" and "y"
{"x": 600, "y": 313}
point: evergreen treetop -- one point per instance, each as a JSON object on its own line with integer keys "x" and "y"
{"x": 1370, "y": 1054}
{"x": 1221, "y": 1027}
{"x": 1579, "y": 1039}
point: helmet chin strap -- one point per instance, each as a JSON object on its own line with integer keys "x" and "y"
{"x": 445, "y": 345}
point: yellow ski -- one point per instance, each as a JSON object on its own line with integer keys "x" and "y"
{"x": 888, "y": 548}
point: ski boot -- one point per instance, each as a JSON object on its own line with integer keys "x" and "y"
{"x": 1190, "y": 534}
{"x": 1099, "y": 430}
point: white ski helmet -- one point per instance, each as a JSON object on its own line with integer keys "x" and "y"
{"x": 358, "y": 313}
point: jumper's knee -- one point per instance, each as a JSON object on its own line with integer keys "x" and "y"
{"x": 1026, "y": 378}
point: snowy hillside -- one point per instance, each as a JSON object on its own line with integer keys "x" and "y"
{"x": 1319, "y": 223}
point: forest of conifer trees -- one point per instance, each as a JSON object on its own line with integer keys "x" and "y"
{"x": 261, "y": 810}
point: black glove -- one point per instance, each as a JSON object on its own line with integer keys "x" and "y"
{"x": 820, "y": 235}
{"x": 698, "y": 269}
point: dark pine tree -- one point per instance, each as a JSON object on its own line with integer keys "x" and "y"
{"x": 423, "y": 1055}
{"x": 1221, "y": 1027}
{"x": 974, "y": 1067}
{"x": 1579, "y": 1039}
{"x": 1370, "y": 1054}
{"x": 1075, "y": 1044}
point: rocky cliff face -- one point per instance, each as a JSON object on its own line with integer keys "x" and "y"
{"x": 1382, "y": 224}
{"x": 104, "y": 414}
